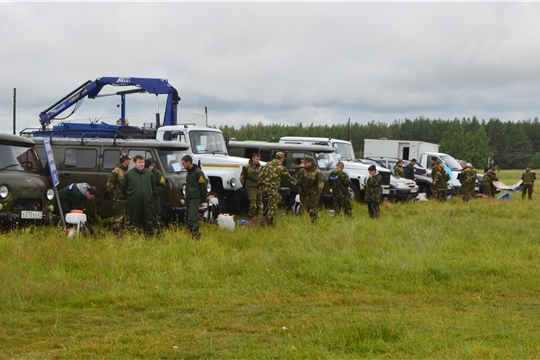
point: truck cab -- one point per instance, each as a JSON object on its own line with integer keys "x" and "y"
{"x": 26, "y": 193}
{"x": 209, "y": 148}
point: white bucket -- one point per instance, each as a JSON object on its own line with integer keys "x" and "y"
{"x": 226, "y": 221}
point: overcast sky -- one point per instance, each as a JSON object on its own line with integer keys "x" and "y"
{"x": 278, "y": 62}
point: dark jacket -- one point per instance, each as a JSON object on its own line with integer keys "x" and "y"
{"x": 196, "y": 184}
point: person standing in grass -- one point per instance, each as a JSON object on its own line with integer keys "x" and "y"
{"x": 466, "y": 179}
{"x": 313, "y": 184}
{"x": 249, "y": 178}
{"x": 373, "y": 192}
{"x": 269, "y": 181}
{"x": 114, "y": 185}
{"x": 398, "y": 169}
{"x": 138, "y": 186}
{"x": 196, "y": 194}
{"x": 489, "y": 178}
{"x": 159, "y": 183}
{"x": 340, "y": 182}
{"x": 472, "y": 185}
{"x": 528, "y": 178}
{"x": 439, "y": 183}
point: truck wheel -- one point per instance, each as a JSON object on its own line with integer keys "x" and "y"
{"x": 423, "y": 188}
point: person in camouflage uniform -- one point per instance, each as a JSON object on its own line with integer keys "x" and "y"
{"x": 300, "y": 174}
{"x": 270, "y": 179}
{"x": 528, "y": 178}
{"x": 159, "y": 182}
{"x": 398, "y": 169}
{"x": 249, "y": 178}
{"x": 465, "y": 179}
{"x": 340, "y": 182}
{"x": 472, "y": 185}
{"x": 313, "y": 184}
{"x": 489, "y": 178}
{"x": 120, "y": 204}
{"x": 441, "y": 178}
{"x": 138, "y": 186}
{"x": 373, "y": 192}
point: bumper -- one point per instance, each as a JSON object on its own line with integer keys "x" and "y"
{"x": 406, "y": 194}
{"x": 9, "y": 217}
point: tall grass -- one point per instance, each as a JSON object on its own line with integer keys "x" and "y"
{"x": 426, "y": 280}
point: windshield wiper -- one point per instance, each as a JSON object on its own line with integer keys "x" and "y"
{"x": 219, "y": 152}
{"x": 12, "y": 165}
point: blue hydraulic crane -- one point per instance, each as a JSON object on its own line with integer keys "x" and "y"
{"x": 91, "y": 89}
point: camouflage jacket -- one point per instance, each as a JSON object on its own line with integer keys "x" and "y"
{"x": 300, "y": 175}
{"x": 312, "y": 181}
{"x": 398, "y": 171}
{"x": 114, "y": 185}
{"x": 250, "y": 175}
{"x": 528, "y": 176}
{"x": 339, "y": 182}
{"x": 374, "y": 189}
{"x": 490, "y": 177}
{"x": 441, "y": 178}
{"x": 466, "y": 177}
{"x": 434, "y": 170}
{"x": 271, "y": 175}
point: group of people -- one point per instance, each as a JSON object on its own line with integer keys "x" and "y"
{"x": 257, "y": 180}
{"x": 136, "y": 195}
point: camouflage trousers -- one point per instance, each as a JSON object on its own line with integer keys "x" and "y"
{"x": 527, "y": 188}
{"x": 312, "y": 205}
{"x": 120, "y": 215}
{"x": 255, "y": 202}
{"x": 466, "y": 192}
{"x": 342, "y": 202}
{"x": 440, "y": 194}
{"x": 489, "y": 190}
{"x": 373, "y": 209}
{"x": 273, "y": 202}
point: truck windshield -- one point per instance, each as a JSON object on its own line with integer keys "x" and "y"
{"x": 172, "y": 159}
{"x": 207, "y": 142}
{"x": 451, "y": 162}
{"x": 326, "y": 160}
{"x": 19, "y": 158}
{"x": 344, "y": 151}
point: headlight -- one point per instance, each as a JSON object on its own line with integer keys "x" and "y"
{"x": 184, "y": 189}
{"x": 50, "y": 194}
{"x": 233, "y": 182}
{"x": 4, "y": 192}
{"x": 208, "y": 187}
{"x": 401, "y": 185}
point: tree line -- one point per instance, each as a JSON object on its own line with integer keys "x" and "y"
{"x": 509, "y": 145}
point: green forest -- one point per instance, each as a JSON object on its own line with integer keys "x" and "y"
{"x": 509, "y": 145}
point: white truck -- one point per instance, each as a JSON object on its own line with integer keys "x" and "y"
{"x": 209, "y": 148}
{"x": 419, "y": 150}
{"x": 358, "y": 173}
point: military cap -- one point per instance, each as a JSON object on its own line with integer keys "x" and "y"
{"x": 309, "y": 159}
{"x": 280, "y": 155}
{"x": 124, "y": 157}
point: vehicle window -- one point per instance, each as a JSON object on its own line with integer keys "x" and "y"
{"x": 19, "y": 158}
{"x": 203, "y": 142}
{"x": 326, "y": 160}
{"x": 80, "y": 158}
{"x": 110, "y": 159}
{"x": 266, "y": 155}
{"x": 344, "y": 151}
{"x": 145, "y": 154}
{"x": 172, "y": 159}
{"x": 296, "y": 158}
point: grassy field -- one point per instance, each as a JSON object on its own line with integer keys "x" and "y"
{"x": 426, "y": 280}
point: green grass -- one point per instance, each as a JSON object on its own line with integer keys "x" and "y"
{"x": 426, "y": 280}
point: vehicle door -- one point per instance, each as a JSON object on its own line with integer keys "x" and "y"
{"x": 110, "y": 157}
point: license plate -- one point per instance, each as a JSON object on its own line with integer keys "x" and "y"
{"x": 414, "y": 190}
{"x": 25, "y": 214}
{"x": 386, "y": 192}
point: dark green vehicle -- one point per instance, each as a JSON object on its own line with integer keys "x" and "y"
{"x": 26, "y": 193}
{"x": 92, "y": 160}
{"x": 325, "y": 157}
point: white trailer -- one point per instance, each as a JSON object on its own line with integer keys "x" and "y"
{"x": 401, "y": 149}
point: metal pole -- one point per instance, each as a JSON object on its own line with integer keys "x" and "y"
{"x": 14, "y": 110}
{"x": 206, "y": 113}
